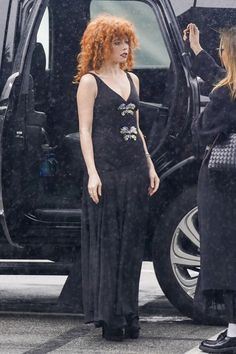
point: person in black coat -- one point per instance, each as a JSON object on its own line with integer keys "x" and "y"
{"x": 216, "y": 194}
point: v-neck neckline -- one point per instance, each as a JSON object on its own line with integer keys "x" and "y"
{"x": 116, "y": 93}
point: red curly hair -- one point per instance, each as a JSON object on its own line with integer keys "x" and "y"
{"x": 96, "y": 43}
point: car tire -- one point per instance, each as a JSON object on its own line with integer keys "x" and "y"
{"x": 162, "y": 248}
{"x": 176, "y": 256}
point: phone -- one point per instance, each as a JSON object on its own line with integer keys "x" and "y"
{"x": 187, "y": 35}
{"x": 187, "y": 44}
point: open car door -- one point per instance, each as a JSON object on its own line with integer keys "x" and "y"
{"x": 13, "y": 188}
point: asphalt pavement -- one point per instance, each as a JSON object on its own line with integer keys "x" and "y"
{"x": 26, "y": 328}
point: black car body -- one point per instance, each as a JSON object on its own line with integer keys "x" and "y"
{"x": 40, "y": 159}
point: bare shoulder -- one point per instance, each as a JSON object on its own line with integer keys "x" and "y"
{"x": 88, "y": 80}
{"x": 88, "y": 84}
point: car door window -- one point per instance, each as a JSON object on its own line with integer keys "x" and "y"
{"x": 40, "y": 63}
{"x": 4, "y": 5}
{"x": 152, "y": 52}
{"x": 43, "y": 35}
{"x": 8, "y": 24}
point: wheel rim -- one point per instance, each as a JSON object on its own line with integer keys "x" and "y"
{"x": 185, "y": 252}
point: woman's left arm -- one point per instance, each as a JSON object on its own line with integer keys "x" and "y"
{"x": 204, "y": 65}
{"x": 154, "y": 179}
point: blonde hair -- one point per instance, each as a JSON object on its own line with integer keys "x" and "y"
{"x": 96, "y": 43}
{"x": 228, "y": 40}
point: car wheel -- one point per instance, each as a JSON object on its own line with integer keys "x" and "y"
{"x": 176, "y": 251}
{"x": 176, "y": 257}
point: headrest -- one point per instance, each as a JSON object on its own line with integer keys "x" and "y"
{"x": 38, "y": 63}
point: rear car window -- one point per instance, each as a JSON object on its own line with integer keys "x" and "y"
{"x": 216, "y": 3}
{"x": 43, "y": 35}
{"x": 182, "y": 6}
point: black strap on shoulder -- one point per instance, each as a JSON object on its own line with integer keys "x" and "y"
{"x": 98, "y": 80}
{"x": 129, "y": 76}
{"x": 131, "y": 82}
{"x": 130, "y": 79}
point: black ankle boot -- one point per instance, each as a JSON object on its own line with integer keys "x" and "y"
{"x": 113, "y": 334}
{"x": 132, "y": 329}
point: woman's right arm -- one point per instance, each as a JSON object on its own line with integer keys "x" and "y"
{"x": 86, "y": 95}
{"x": 203, "y": 64}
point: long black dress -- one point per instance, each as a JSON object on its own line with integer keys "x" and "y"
{"x": 113, "y": 230}
{"x": 216, "y": 200}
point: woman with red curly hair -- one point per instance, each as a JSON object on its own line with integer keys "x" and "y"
{"x": 119, "y": 178}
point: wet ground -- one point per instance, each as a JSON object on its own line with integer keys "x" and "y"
{"x": 30, "y": 324}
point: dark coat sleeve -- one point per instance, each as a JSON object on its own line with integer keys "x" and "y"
{"x": 215, "y": 117}
{"x": 204, "y": 65}
{"x": 219, "y": 116}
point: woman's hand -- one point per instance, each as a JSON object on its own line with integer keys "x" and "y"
{"x": 154, "y": 181}
{"x": 192, "y": 32}
{"x": 94, "y": 187}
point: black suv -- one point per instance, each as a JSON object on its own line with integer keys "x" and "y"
{"x": 41, "y": 167}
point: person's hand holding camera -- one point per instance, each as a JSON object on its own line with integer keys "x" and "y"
{"x": 191, "y": 33}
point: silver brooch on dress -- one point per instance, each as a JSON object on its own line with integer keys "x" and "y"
{"x": 129, "y": 133}
{"x": 126, "y": 109}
